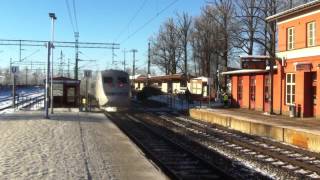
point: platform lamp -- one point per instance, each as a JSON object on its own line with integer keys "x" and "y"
{"x": 53, "y": 18}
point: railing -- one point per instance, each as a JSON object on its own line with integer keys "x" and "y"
{"x": 23, "y": 101}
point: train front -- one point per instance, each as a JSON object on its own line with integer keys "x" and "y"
{"x": 116, "y": 88}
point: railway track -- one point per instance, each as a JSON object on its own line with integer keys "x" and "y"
{"x": 280, "y": 160}
{"x": 176, "y": 161}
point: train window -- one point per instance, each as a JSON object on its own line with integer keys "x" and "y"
{"x": 122, "y": 80}
{"x": 107, "y": 80}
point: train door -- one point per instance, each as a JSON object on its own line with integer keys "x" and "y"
{"x": 252, "y": 92}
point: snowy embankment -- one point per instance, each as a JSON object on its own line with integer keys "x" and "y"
{"x": 25, "y": 96}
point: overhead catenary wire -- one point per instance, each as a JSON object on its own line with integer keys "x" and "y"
{"x": 131, "y": 20}
{"x": 149, "y": 21}
{"x": 75, "y": 16}
{"x": 70, "y": 16}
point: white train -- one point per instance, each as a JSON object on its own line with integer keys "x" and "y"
{"x": 112, "y": 90}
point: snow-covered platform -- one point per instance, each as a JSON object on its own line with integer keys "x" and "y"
{"x": 69, "y": 145}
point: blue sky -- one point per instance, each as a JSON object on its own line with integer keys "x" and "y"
{"x": 98, "y": 21}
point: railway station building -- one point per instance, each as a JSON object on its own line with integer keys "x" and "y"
{"x": 66, "y": 92}
{"x": 296, "y": 72}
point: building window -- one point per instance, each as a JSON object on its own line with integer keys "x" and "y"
{"x": 252, "y": 88}
{"x": 183, "y": 83}
{"x": 290, "y": 38}
{"x": 239, "y": 88}
{"x": 291, "y": 88}
{"x": 311, "y": 34}
{"x": 266, "y": 88}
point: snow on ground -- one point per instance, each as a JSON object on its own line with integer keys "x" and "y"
{"x": 6, "y": 92}
{"x": 69, "y": 145}
{"x": 24, "y": 95}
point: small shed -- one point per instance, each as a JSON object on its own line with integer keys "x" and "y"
{"x": 199, "y": 85}
{"x": 66, "y": 92}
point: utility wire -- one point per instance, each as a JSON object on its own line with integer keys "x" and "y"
{"x": 75, "y": 15}
{"x": 149, "y": 21}
{"x": 70, "y": 17}
{"x": 33, "y": 53}
{"x": 131, "y": 20}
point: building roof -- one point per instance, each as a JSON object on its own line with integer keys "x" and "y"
{"x": 137, "y": 76}
{"x": 172, "y": 77}
{"x": 255, "y": 57}
{"x": 202, "y": 78}
{"x": 245, "y": 71}
{"x": 64, "y": 80}
{"x": 293, "y": 11}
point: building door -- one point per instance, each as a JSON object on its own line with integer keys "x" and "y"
{"x": 314, "y": 92}
{"x": 266, "y": 92}
{"x": 239, "y": 90}
{"x": 252, "y": 92}
{"x": 310, "y": 86}
{"x": 70, "y": 98}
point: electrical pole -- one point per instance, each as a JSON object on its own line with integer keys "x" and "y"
{"x": 20, "y": 50}
{"x": 112, "y": 56}
{"x": 133, "y": 64}
{"x": 76, "y": 36}
{"x": 13, "y": 71}
{"x": 46, "y": 105}
{"x": 61, "y": 64}
{"x": 149, "y": 61}
{"x": 124, "y": 60}
{"x": 27, "y": 75}
{"x": 14, "y": 91}
{"x": 68, "y": 67}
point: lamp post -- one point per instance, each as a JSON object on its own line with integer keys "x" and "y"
{"x": 53, "y": 18}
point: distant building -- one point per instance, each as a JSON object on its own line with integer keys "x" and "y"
{"x": 174, "y": 83}
{"x": 296, "y": 72}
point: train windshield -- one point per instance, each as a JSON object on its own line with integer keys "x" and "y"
{"x": 122, "y": 81}
{"x": 107, "y": 80}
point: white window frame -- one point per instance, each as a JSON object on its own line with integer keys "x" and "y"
{"x": 290, "y": 38}
{"x": 292, "y": 85}
{"x": 311, "y": 34}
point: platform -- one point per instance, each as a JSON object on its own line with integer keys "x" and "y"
{"x": 69, "y": 145}
{"x": 304, "y": 133}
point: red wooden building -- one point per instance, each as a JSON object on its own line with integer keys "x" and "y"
{"x": 296, "y": 71}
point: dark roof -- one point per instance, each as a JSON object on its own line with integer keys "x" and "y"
{"x": 164, "y": 78}
{"x": 64, "y": 80}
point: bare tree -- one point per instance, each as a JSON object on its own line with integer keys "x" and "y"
{"x": 184, "y": 28}
{"x": 248, "y": 14}
{"x": 166, "y": 49}
{"x": 224, "y": 17}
